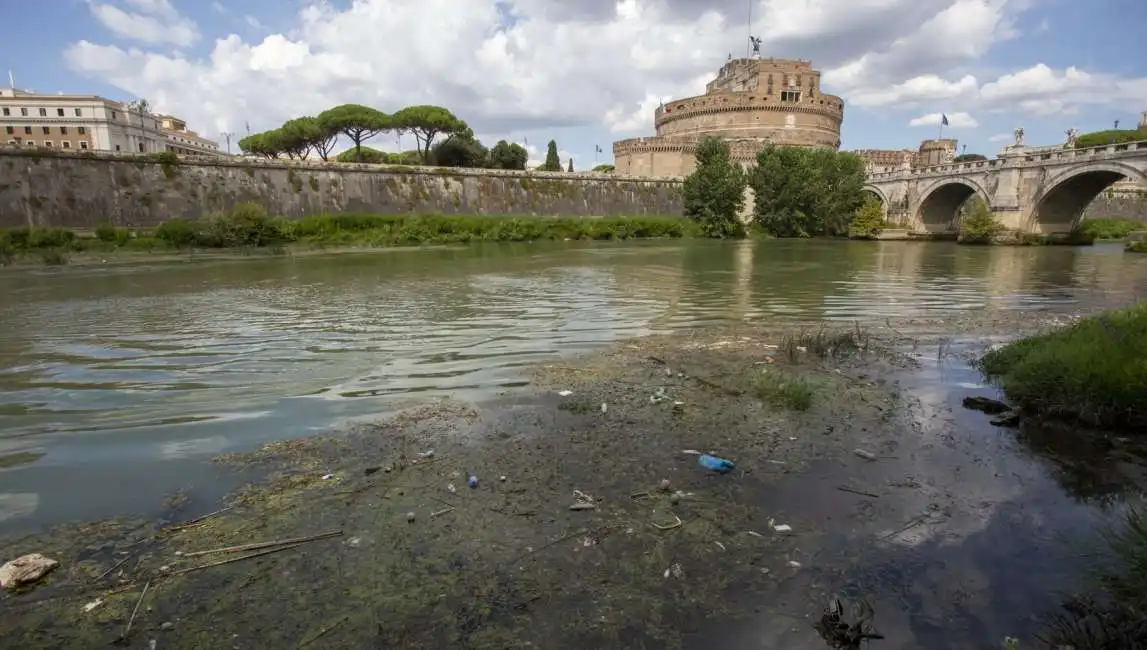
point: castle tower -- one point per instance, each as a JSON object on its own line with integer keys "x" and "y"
{"x": 750, "y": 103}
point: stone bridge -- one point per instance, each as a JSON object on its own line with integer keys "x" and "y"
{"x": 1033, "y": 190}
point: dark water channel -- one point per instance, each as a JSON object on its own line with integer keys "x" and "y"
{"x": 118, "y": 382}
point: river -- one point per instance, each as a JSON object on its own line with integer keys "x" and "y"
{"x": 121, "y": 376}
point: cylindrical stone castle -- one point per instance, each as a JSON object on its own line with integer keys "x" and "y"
{"x": 751, "y": 102}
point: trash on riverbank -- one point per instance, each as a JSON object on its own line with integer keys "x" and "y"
{"x": 866, "y": 455}
{"x": 719, "y": 465}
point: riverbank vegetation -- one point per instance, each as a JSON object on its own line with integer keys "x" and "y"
{"x": 806, "y": 192}
{"x": 979, "y": 225}
{"x": 869, "y": 221}
{"x": 249, "y": 227}
{"x": 1136, "y": 247}
{"x": 1093, "y": 371}
{"x": 1109, "y": 136}
{"x": 1112, "y": 228}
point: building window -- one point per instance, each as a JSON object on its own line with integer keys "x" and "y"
{"x": 117, "y": 147}
{"x": 46, "y": 129}
{"x": 64, "y": 144}
{"x": 43, "y": 112}
{"x": 27, "y": 130}
{"x": 141, "y": 147}
{"x": 30, "y": 143}
{"x": 48, "y": 144}
{"x": 790, "y": 96}
{"x": 24, "y": 112}
{"x": 63, "y": 130}
{"x": 59, "y": 112}
{"x": 9, "y": 130}
{"x": 84, "y": 145}
{"x": 78, "y": 113}
{"x": 82, "y": 129}
{"x": 115, "y": 116}
{"x": 13, "y": 142}
{"x": 7, "y": 111}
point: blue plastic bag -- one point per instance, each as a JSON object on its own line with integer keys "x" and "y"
{"x": 719, "y": 465}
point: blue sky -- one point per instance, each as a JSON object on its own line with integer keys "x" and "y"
{"x": 589, "y": 73}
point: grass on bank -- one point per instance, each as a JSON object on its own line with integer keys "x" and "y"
{"x": 1112, "y": 228}
{"x": 249, "y": 226}
{"x": 1093, "y": 371}
{"x": 1136, "y": 247}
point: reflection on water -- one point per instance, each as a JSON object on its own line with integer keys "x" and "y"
{"x": 103, "y": 368}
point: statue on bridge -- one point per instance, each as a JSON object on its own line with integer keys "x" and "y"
{"x": 1072, "y": 136}
{"x": 1019, "y": 133}
{"x": 756, "y": 42}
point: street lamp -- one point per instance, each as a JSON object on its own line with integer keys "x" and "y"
{"x": 227, "y": 135}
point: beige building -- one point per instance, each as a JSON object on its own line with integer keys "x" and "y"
{"x": 750, "y": 103}
{"x": 931, "y": 152}
{"x": 92, "y": 123}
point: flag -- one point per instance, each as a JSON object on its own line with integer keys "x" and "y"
{"x": 598, "y": 147}
{"x": 11, "y": 80}
{"x": 943, "y": 119}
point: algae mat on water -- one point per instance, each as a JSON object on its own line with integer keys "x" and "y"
{"x": 605, "y": 531}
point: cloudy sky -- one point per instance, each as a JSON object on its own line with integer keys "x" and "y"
{"x": 588, "y": 72}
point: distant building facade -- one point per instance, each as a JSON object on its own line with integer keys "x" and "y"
{"x": 92, "y": 123}
{"x": 751, "y": 103}
{"x": 930, "y": 152}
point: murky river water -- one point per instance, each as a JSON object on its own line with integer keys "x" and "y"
{"x": 117, "y": 382}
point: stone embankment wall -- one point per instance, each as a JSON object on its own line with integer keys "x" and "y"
{"x": 1127, "y": 205}
{"x": 83, "y": 190}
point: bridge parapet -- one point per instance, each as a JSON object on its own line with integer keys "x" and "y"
{"x": 1018, "y": 157}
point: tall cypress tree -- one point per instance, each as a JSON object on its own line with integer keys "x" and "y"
{"x": 553, "y": 163}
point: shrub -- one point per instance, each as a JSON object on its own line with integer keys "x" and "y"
{"x": 868, "y": 222}
{"x": 50, "y": 238}
{"x": 1110, "y": 136}
{"x": 979, "y": 226}
{"x": 1136, "y": 247}
{"x": 178, "y": 233}
{"x": 1112, "y": 228}
{"x": 794, "y": 393}
{"x": 1094, "y": 371}
{"x": 714, "y": 192}
{"x": 246, "y": 225}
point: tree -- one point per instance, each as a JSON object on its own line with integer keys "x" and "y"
{"x": 306, "y": 134}
{"x": 264, "y": 144}
{"x": 868, "y": 221}
{"x": 426, "y": 123}
{"x": 714, "y": 192}
{"x": 363, "y": 155}
{"x": 969, "y": 157}
{"x": 460, "y": 150}
{"x": 355, "y": 121}
{"x": 603, "y": 169}
{"x": 806, "y": 192}
{"x": 553, "y": 163}
{"x": 505, "y": 155}
{"x": 571, "y": 166}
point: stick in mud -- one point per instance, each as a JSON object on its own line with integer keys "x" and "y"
{"x": 127, "y": 630}
{"x": 860, "y": 492}
{"x": 198, "y": 520}
{"x": 233, "y": 559}
{"x": 114, "y": 567}
{"x": 323, "y": 632}
{"x": 257, "y": 545}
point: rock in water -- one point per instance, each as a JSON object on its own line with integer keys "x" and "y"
{"x": 986, "y": 405}
{"x": 26, "y": 569}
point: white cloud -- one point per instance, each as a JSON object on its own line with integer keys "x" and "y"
{"x": 533, "y": 66}
{"x": 156, "y": 22}
{"x": 1001, "y": 137}
{"x": 959, "y": 120}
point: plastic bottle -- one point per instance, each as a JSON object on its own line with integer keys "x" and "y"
{"x": 719, "y": 465}
{"x": 472, "y": 481}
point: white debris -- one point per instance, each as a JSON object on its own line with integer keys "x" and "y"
{"x": 26, "y": 569}
{"x": 565, "y": 393}
{"x": 783, "y": 528}
{"x": 676, "y": 571}
{"x": 429, "y": 453}
{"x": 691, "y": 451}
{"x": 866, "y": 455}
{"x": 327, "y": 477}
{"x": 92, "y": 605}
{"x": 451, "y": 489}
{"x": 794, "y": 564}
{"x": 604, "y": 407}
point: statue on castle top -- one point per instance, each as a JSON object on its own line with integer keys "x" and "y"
{"x": 1072, "y": 136}
{"x": 756, "y": 42}
{"x": 1019, "y": 133}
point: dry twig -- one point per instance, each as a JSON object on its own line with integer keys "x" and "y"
{"x": 257, "y": 545}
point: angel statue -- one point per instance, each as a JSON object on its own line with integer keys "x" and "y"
{"x": 1072, "y": 136}
{"x": 756, "y": 42}
{"x": 1019, "y": 136}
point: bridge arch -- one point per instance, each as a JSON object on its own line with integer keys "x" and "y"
{"x": 1060, "y": 207}
{"x": 876, "y": 192}
{"x": 940, "y": 203}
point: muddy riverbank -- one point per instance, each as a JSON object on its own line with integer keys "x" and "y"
{"x": 606, "y": 531}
